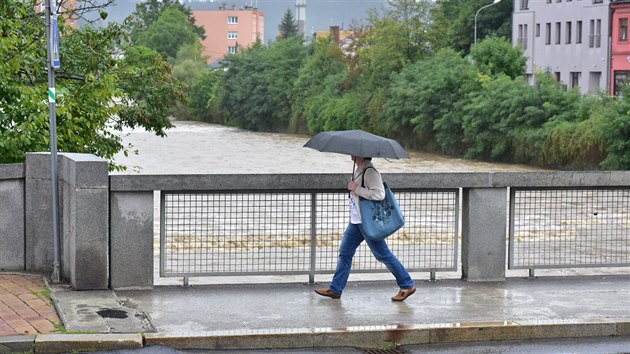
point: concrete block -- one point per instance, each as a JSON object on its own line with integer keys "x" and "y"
{"x": 38, "y": 225}
{"x": 69, "y": 343}
{"x": 623, "y": 328}
{"x": 17, "y": 344}
{"x": 12, "y": 224}
{"x": 181, "y": 341}
{"x": 567, "y": 330}
{"x": 484, "y": 223}
{"x": 467, "y": 332}
{"x": 91, "y": 239}
{"x": 131, "y": 240}
{"x": 236, "y": 339}
{"x": 372, "y": 336}
{"x": 38, "y": 165}
{"x": 12, "y": 171}
{"x": 84, "y": 170}
{"x": 266, "y": 339}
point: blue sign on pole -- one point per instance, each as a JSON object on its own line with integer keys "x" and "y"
{"x": 56, "y": 62}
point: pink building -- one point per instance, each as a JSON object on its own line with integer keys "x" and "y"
{"x": 619, "y": 45}
{"x": 227, "y": 30}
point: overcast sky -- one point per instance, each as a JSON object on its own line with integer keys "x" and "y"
{"x": 320, "y": 14}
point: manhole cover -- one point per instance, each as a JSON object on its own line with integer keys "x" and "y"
{"x": 109, "y": 313}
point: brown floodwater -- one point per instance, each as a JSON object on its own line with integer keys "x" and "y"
{"x": 202, "y": 148}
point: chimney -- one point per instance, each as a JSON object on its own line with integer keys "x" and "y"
{"x": 301, "y": 15}
{"x": 334, "y": 33}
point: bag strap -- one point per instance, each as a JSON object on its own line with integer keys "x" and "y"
{"x": 363, "y": 175}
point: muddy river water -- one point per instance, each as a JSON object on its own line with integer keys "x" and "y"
{"x": 201, "y": 148}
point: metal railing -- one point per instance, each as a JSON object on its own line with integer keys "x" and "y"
{"x": 569, "y": 228}
{"x": 287, "y": 232}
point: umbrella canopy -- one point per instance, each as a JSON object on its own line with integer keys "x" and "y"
{"x": 357, "y": 143}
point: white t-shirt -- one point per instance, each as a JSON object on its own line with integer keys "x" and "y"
{"x": 355, "y": 218}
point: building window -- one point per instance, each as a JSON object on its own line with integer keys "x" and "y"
{"x": 567, "y": 33}
{"x": 578, "y": 32}
{"x": 232, "y": 20}
{"x": 594, "y": 81}
{"x": 548, "y": 1}
{"x": 598, "y": 1}
{"x": 538, "y": 30}
{"x": 232, "y": 49}
{"x": 623, "y": 29}
{"x": 598, "y": 33}
{"x": 524, "y": 4}
{"x": 575, "y": 79}
{"x": 522, "y": 36}
{"x": 547, "y": 33}
{"x": 558, "y": 34}
{"x": 232, "y": 35}
{"x": 621, "y": 80}
{"x": 591, "y": 34}
{"x": 557, "y": 75}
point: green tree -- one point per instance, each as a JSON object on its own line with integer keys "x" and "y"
{"x": 495, "y": 115}
{"x": 615, "y": 131}
{"x": 256, "y": 86}
{"x": 423, "y": 104}
{"x": 321, "y": 79}
{"x": 288, "y": 27}
{"x": 494, "y": 56}
{"x": 188, "y": 65}
{"x": 149, "y": 11}
{"x": 168, "y": 33}
{"x": 189, "y": 62}
{"x": 204, "y": 97}
{"x": 454, "y": 22}
{"x": 98, "y": 92}
{"x": 397, "y": 38}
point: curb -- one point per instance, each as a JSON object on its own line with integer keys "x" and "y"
{"x": 64, "y": 343}
{"x": 379, "y": 336}
{"x": 21, "y": 343}
{"x": 359, "y": 337}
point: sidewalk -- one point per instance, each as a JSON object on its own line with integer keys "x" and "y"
{"x": 25, "y": 310}
{"x": 293, "y": 316}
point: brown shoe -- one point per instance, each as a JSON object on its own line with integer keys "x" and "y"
{"x": 403, "y": 294}
{"x": 328, "y": 293}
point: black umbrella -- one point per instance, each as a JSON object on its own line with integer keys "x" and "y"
{"x": 357, "y": 143}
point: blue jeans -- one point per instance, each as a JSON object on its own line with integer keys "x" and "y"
{"x": 352, "y": 238}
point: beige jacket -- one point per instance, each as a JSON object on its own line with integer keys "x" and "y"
{"x": 371, "y": 180}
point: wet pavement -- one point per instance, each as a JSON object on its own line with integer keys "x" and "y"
{"x": 281, "y": 316}
{"x": 256, "y": 307}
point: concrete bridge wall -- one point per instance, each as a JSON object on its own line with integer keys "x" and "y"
{"x": 107, "y": 221}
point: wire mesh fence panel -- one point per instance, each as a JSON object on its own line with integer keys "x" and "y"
{"x": 556, "y": 228}
{"x": 428, "y": 241}
{"x": 236, "y": 233}
{"x": 212, "y": 233}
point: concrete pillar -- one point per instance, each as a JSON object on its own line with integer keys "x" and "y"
{"x": 484, "y": 214}
{"x": 83, "y": 213}
{"x": 84, "y": 181}
{"x": 131, "y": 239}
{"x": 12, "y": 217}
{"x": 38, "y": 214}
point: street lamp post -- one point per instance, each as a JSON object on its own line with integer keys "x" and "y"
{"x": 477, "y": 14}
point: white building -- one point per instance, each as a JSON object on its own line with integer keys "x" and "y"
{"x": 568, "y": 38}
